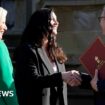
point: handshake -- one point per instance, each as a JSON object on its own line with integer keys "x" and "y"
{"x": 72, "y": 78}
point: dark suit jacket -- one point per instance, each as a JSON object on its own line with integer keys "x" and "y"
{"x": 99, "y": 97}
{"x": 35, "y": 80}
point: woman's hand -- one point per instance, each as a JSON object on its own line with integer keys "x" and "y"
{"x": 76, "y": 80}
{"x": 94, "y": 81}
{"x": 72, "y": 78}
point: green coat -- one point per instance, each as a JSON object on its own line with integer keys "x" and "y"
{"x": 7, "y": 87}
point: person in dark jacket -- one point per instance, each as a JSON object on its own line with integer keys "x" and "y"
{"x": 97, "y": 84}
{"x": 40, "y": 76}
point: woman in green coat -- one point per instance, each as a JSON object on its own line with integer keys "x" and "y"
{"x": 7, "y": 87}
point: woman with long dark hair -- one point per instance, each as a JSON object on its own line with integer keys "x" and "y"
{"x": 40, "y": 72}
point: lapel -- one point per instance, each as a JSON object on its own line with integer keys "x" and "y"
{"x": 45, "y": 60}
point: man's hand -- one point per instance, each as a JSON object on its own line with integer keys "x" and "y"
{"x": 94, "y": 81}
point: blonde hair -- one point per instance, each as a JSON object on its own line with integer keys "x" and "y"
{"x": 3, "y": 13}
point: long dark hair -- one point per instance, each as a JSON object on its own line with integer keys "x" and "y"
{"x": 39, "y": 27}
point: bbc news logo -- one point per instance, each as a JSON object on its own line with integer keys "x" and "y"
{"x": 6, "y": 93}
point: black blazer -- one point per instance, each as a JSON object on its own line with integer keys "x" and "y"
{"x": 35, "y": 79}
